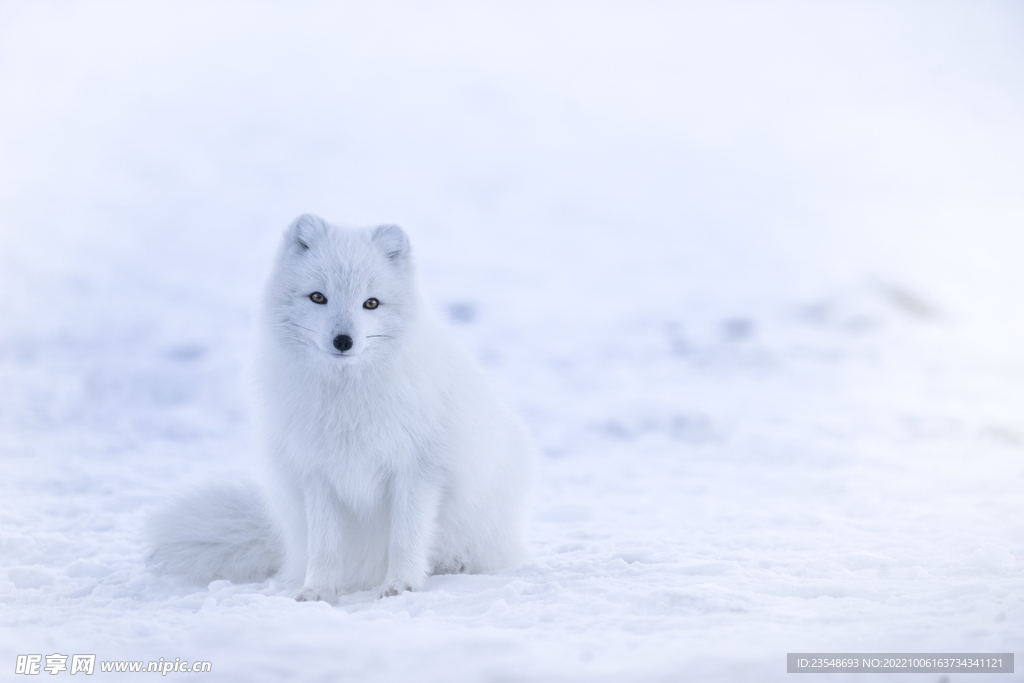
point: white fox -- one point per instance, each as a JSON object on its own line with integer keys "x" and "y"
{"x": 388, "y": 457}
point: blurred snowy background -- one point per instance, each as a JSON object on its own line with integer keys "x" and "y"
{"x": 752, "y": 273}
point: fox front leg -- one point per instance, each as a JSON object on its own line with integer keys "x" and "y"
{"x": 323, "y": 545}
{"x": 414, "y": 506}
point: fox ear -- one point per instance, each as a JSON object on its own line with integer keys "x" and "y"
{"x": 392, "y": 240}
{"x": 305, "y": 230}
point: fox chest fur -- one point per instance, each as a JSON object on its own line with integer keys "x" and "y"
{"x": 358, "y": 442}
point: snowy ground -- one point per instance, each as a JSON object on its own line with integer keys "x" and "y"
{"x": 751, "y": 273}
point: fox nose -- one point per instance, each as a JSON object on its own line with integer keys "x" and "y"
{"x": 343, "y": 342}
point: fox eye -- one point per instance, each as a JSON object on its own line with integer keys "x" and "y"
{"x": 318, "y": 298}
{"x": 371, "y": 304}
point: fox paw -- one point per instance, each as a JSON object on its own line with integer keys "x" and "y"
{"x": 453, "y": 566}
{"x": 392, "y": 588}
{"x": 307, "y": 594}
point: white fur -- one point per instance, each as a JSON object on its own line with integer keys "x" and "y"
{"x": 386, "y": 462}
{"x": 221, "y": 531}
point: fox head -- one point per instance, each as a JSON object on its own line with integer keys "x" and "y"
{"x": 341, "y": 293}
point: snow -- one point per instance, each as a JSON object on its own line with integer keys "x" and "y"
{"x": 750, "y": 272}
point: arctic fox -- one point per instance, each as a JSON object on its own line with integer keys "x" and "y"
{"x": 388, "y": 456}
